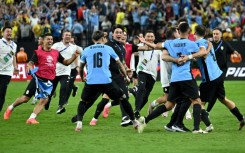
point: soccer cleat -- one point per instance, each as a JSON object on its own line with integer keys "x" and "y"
{"x": 7, "y": 114}
{"x": 74, "y": 91}
{"x": 126, "y": 121}
{"x": 150, "y": 109}
{"x": 165, "y": 114}
{"x": 34, "y": 101}
{"x": 200, "y": 131}
{"x": 178, "y": 128}
{"x": 79, "y": 126}
{"x": 32, "y": 121}
{"x": 106, "y": 111}
{"x": 141, "y": 125}
{"x": 209, "y": 128}
{"x": 242, "y": 123}
{"x": 60, "y": 110}
{"x": 93, "y": 122}
{"x": 169, "y": 128}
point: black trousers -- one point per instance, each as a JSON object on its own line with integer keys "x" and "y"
{"x": 145, "y": 86}
{"x": 71, "y": 82}
{"x": 64, "y": 82}
{"x": 4, "y": 81}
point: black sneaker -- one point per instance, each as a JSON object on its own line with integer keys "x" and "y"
{"x": 137, "y": 114}
{"x": 74, "y": 119}
{"x": 126, "y": 121}
{"x": 60, "y": 110}
{"x": 74, "y": 91}
{"x": 178, "y": 128}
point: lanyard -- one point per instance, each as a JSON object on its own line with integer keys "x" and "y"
{"x": 151, "y": 54}
{"x": 64, "y": 48}
{"x": 8, "y": 44}
{"x": 218, "y": 46}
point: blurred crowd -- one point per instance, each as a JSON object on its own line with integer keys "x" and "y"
{"x": 32, "y": 18}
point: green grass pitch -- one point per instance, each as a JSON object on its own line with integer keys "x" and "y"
{"x": 55, "y": 133}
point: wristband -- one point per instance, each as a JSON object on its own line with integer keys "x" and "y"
{"x": 190, "y": 57}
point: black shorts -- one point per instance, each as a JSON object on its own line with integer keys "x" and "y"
{"x": 31, "y": 88}
{"x": 166, "y": 90}
{"x": 213, "y": 89}
{"x": 111, "y": 89}
{"x": 183, "y": 89}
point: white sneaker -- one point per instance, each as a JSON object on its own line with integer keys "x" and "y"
{"x": 170, "y": 129}
{"x": 165, "y": 114}
{"x": 142, "y": 124}
{"x": 34, "y": 101}
{"x": 178, "y": 129}
{"x": 136, "y": 124}
{"x": 79, "y": 126}
{"x": 209, "y": 128}
{"x": 200, "y": 131}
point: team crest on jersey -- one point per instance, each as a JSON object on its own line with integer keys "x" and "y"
{"x": 50, "y": 59}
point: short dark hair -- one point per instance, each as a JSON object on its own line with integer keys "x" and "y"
{"x": 183, "y": 27}
{"x": 170, "y": 33}
{"x": 200, "y": 30}
{"x": 6, "y": 27}
{"x": 117, "y": 26}
{"x": 149, "y": 31}
{"x": 46, "y": 34}
{"x": 97, "y": 35}
{"x": 217, "y": 28}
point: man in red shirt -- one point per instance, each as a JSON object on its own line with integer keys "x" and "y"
{"x": 45, "y": 59}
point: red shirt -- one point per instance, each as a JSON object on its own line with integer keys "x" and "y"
{"x": 46, "y": 62}
{"x": 128, "y": 48}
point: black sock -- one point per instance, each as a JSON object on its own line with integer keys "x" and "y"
{"x": 184, "y": 106}
{"x": 81, "y": 110}
{"x": 100, "y": 107}
{"x": 205, "y": 117}
{"x": 157, "y": 112}
{"x": 235, "y": 111}
{"x": 197, "y": 116}
{"x": 174, "y": 115}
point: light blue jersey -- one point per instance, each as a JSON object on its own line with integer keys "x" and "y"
{"x": 97, "y": 58}
{"x": 208, "y": 66}
{"x": 176, "y": 48}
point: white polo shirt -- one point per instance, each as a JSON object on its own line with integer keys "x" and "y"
{"x": 7, "y": 54}
{"x": 66, "y": 52}
{"x": 151, "y": 57}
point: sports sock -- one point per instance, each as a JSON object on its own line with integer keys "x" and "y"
{"x": 128, "y": 108}
{"x": 81, "y": 110}
{"x": 100, "y": 107}
{"x": 184, "y": 105}
{"x": 235, "y": 111}
{"x": 11, "y": 107}
{"x": 205, "y": 117}
{"x": 33, "y": 115}
{"x": 153, "y": 104}
{"x": 197, "y": 116}
{"x": 157, "y": 112}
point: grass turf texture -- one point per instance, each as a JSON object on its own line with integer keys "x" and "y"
{"x": 55, "y": 133}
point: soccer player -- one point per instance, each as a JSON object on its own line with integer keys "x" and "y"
{"x": 222, "y": 51}
{"x": 45, "y": 59}
{"x": 212, "y": 85}
{"x": 176, "y": 122}
{"x": 97, "y": 57}
{"x": 182, "y": 82}
{"x": 8, "y": 65}
{"x": 66, "y": 49}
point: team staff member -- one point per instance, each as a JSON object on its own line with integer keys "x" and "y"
{"x": 98, "y": 57}
{"x": 8, "y": 64}
{"x": 66, "y": 49}
{"x": 222, "y": 50}
{"x": 45, "y": 59}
